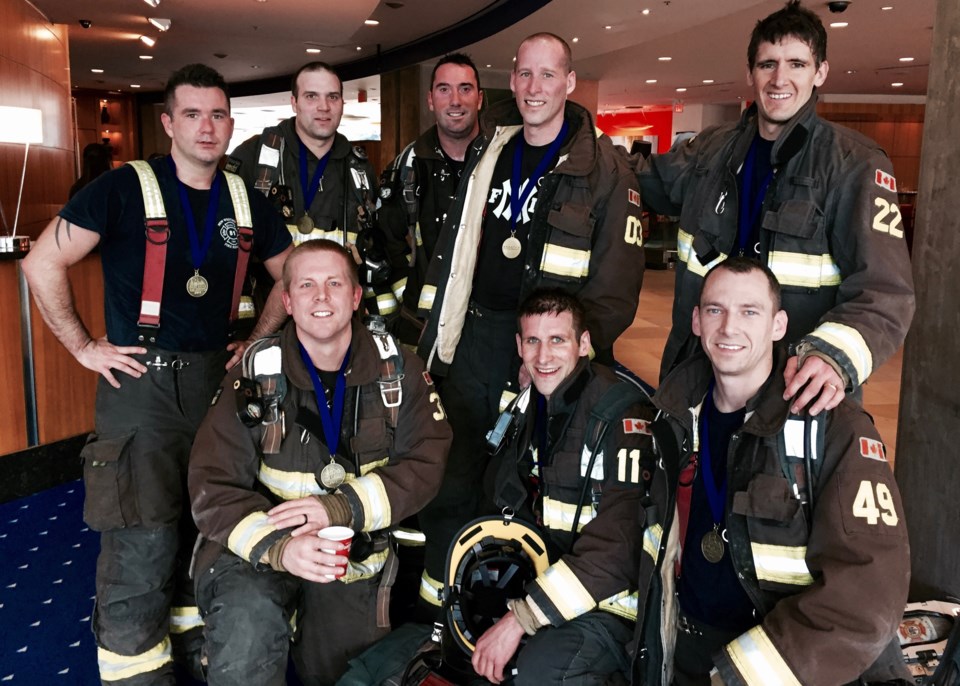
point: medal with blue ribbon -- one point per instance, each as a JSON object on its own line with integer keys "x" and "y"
{"x": 332, "y": 475}
{"x": 197, "y": 285}
{"x": 310, "y": 187}
{"x": 711, "y": 545}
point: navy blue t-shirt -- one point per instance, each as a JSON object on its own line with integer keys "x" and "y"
{"x": 112, "y": 206}
{"x": 711, "y": 592}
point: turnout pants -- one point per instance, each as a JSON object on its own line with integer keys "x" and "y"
{"x": 135, "y": 467}
{"x": 254, "y": 619}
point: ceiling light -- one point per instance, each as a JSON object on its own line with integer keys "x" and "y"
{"x": 134, "y": 85}
{"x": 708, "y": 81}
{"x": 651, "y": 80}
{"x": 838, "y": 24}
{"x": 887, "y": 8}
{"x": 896, "y": 84}
{"x": 359, "y": 48}
{"x": 152, "y": 3}
{"x": 575, "y": 40}
{"x": 314, "y": 51}
{"x": 851, "y": 71}
{"x": 161, "y": 24}
{"x": 489, "y": 66}
{"x": 371, "y": 22}
{"x": 681, "y": 90}
{"x": 906, "y": 59}
{"x": 254, "y": 66}
{"x": 148, "y": 41}
{"x": 608, "y": 27}
{"x": 645, "y": 12}
{"x": 664, "y": 59}
{"x": 146, "y": 57}
{"x": 97, "y": 71}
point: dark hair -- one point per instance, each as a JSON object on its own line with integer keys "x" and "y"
{"x": 321, "y": 245}
{"x": 458, "y": 58}
{"x": 552, "y": 301}
{"x": 745, "y": 265}
{"x": 197, "y": 75}
{"x": 313, "y": 66}
{"x": 793, "y": 20}
{"x": 96, "y": 161}
{"x": 546, "y": 35}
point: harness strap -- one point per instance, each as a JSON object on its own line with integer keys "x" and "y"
{"x": 241, "y": 208}
{"x": 271, "y": 148}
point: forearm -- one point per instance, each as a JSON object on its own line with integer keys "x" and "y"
{"x": 273, "y": 315}
{"x": 53, "y": 295}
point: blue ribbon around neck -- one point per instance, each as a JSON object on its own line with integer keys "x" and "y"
{"x": 518, "y": 197}
{"x": 330, "y": 419}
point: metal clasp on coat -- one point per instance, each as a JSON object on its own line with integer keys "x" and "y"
{"x": 721, "y": 203}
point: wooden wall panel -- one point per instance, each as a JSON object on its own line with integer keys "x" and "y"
{"x": 65, "y": 389}
{"x": 13, "y": 436}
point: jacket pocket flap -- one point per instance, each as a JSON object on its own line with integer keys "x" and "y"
{"x": 572, "y": 219}
{"x": 797, "y": 218}
{"x": 767, "y": 497}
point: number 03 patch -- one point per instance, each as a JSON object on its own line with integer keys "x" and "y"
{"x": 869, "y": 506}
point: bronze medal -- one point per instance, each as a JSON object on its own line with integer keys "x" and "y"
{"x": 197, "y": 286}
{"x": 332, "y": 475}
{"x": 305, "y": 224}
{"x": 511, "y": 248}
{"x": 711, "y": 545}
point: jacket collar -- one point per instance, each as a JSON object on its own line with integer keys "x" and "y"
{"x": 363, "y": 367}
{"x": 566, "y": 396}
{"x": 577, "y": 158}
{"x": 790, "y": 141}
{"x": 685, "y": 387}
{"x": 427, "y": 146}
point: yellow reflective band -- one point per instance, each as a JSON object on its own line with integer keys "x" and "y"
{"x": 241, "y": 203}
{"x": 781, "y": 564}
{"x": 849, "y": 341}
{"x": 365, "y": 569}
{"x": 335, "y": 235}
{"x": 247, "y": 309}
{"x": 367, "y": 468}
{"x": 652, "y": 536}
{"x": 798, "y": 269}
{"x": 183, "y": 619}
{"x": 758, "y": 662}
{"x": 387, "y": 303}
{"x": 686, "y": 255}
{"x": 248, "y": 533}
{"x": 399, "y": 287}
{"x": 565, "y": 261}
{"x": 623, "y": 604}
{"x": 288, "y": 485}
{"x": 506, "y": 397}
{"x": 565, "y": 591}
{"x": 373, "y": 498}
{"x": 410, "y": 537}
{"x": 559, "y": 515}
{"x": 114, "y": 667}
{"x": 150, "y": 189}
{"x": 430, "y": 589}
{"x": 427, "y": 295}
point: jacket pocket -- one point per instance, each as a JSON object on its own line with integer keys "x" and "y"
{"x": 777, "y": 528}
{"x": 110, "y": 501}
{"x": 567, "y": 250}
{"x": 799, "y": 253}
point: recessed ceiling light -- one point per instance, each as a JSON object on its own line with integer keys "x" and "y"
{"x": 645, "y": 12}
{"x": 851, "y": 71}
{"x": 148, "y": 41}
{"x": 896, "y": 84}
{"x": 681, "y": 90}
{"x": 372, "y": 22}
{"x": 152, "y": 3}
{"x": 574, "y": 40}
{"x": 314, "y": 51}
{"x": 664, "y": 59}
{"x": 906, "y": 59}
{"x": 838, "y": 24}
{"x": 359, "y": 48}
{"x": 489, "y": 66}
{"x": 887, "y": 8}
{"x": 97, "y": 71}
{"x": 161, "y": 24}
{"x": 708, "y": 81}
{"x": 651, "y": 80}
{"x": 608, "y": 27}
{"x": 146, "y": 57}
{"x": 134, "y": 85}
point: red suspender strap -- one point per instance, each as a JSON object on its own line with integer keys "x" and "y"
{"x": 158, "y": 235}
{"x": 245, "y": 244}
{"x": 684, "y": 497}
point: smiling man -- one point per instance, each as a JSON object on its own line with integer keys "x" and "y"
{"x": 563, "y": 469}
{"x": 171, "y": 301}
{"x": 349, "y": 433}
{"x": 775, "y": 550}
{"x": 549, "y": 202}
{"x": 814, "y": 201}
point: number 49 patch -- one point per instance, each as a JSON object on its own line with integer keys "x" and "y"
{"x": 873, "y": 507}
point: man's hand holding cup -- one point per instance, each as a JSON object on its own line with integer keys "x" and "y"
{"x": 322, "y": 558}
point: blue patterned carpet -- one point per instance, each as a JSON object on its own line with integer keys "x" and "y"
{"x": 47, "y": 561}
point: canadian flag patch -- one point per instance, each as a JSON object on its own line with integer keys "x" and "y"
{"x": 633, "y": 197}
{"x": 636, "y": 426}
{"x": 872, "y": 449}
{"x": 885, "y": 180}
